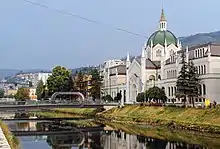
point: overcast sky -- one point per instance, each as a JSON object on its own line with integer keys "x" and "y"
{"x": 35, "y": 37}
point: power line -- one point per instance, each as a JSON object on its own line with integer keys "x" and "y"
{"x": 82, "y": 18}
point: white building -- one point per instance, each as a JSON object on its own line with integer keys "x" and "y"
{"x": 41, "y": 76}
{"x": 114, "y": 78}
{"x": 159, "y": 65}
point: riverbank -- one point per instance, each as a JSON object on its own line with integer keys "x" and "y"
{"x": 206, "y": 120}
{"x": 68, "y": 112}
{"x": 12, "y": 140}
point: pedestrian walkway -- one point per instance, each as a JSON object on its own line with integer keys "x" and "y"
{"x": 3, "y": 141}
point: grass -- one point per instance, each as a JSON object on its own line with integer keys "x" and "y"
{"x": 190, "y": 118}
{"x": 67, "y": 112}
{"x": 12, "y": 140}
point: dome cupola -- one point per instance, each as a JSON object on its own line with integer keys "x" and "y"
{"x": 162, "y": 35}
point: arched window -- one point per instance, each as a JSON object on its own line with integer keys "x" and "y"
{"x": 201, "y": 69}
{"x": 204, "y": 69}
{"x": 203, "y": 52}
{"x": 171, "y": 91}
{"x": 152, "y": 78}
{"x": 158, "y": 53}
{"x": 168, "y": 91}
{"x": 198, "y": 69}
{"x": 171, "y": 52}
{"x": 200, "y": 89}
{"x": 175, "y": 89}
{"x": 204, "y": 89}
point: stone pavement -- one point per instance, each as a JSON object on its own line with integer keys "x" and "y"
{"x": 3, "y": 141}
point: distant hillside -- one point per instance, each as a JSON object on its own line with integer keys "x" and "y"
{"x": 200, "y": 38}
{"x": 8, "y": 72}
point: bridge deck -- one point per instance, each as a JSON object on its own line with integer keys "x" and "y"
{"x": 43, "y": 133}
{"x": 51, "y": 106}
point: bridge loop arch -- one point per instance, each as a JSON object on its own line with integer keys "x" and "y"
{"x": 68, "y": 93}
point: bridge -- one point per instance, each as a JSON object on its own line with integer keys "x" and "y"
{"x": 61, "y": 132}
{"x": 53, "y": 106}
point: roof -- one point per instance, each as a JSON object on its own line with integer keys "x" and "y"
{"x": 160, "y": 37}
{"x": 120, "y": 69}
{"x": 149, "y": 64}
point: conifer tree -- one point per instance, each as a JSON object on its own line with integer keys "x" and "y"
{"x": 182, "y": 83}
{"x": 194, "y": 82}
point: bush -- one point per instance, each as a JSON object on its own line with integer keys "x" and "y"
{"x": 140, "y": 97}
{"x": 108, "y": 98}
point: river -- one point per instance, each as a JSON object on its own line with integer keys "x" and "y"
{"x": 89, "y": 134}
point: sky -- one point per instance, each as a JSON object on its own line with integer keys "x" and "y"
{"x": 32, "y": 37}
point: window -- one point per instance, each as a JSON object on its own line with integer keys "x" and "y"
{"x": 204, "y": 69}
{"x": 201, "y": 70}
{"x": 171, "y": 91}
{"x": 204, "y": 89}
{"x": 158, "y": 53}
{"x": 171, "y": 52}
{"x": 168, "y": 91}
{"x": 198, "y": 69}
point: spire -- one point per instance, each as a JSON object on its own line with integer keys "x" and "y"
{"x": 163, "y": 21}
{"x": 128, "y": 57}
{"x": 162, "y": 17}
{"x": 143, "y": 52}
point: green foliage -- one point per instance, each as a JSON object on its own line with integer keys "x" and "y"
{"x": 108, "y": 98}
{"x": 182, "y": 83}
{"x": 40, "y": 89}
{"x": 156, "y": 93}
{"x": 96, "y": 83}
{"x": 2, "y": 92}
{"x": 22, "y": 94}
{"x": 60, "y": 80}
{"x": 140, "y": 97}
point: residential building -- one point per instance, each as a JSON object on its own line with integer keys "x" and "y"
{"x": 114, "y": 78}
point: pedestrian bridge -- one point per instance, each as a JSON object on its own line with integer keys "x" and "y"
{"x": 53, "y": 106}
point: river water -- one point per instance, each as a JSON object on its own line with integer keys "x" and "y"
{"x": 88, "y": 134}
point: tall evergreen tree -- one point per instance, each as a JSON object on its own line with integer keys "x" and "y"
{"x": 182, "y": 83}
{"x": 194, "y": 82}
{"x": 79, "y": 82}
{"x": 96, "y": 83}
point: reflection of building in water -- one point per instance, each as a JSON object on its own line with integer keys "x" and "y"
{"x": 23, "y": 126}
{"x": 26, "y": 126}
{"x": 121, "y": 140}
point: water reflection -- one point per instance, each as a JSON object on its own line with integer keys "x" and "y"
{"x": 108, "y": 138}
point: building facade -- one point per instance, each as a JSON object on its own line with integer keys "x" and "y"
{"x": 160, "y": 63}
{"x": 114, "y": 78}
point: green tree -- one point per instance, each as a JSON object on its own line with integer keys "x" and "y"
{"x": 182, "y": 83}
{"x": 194, "y": 82}
{"x": 22, "y": 94}
{"x": 40, "y": 89}
{"x": 156, "y": 93}
{"x": 96, "y": 82}
{"x": 60, "y": 80}
{"x": 2, "y": 92}
{"x": 140, "y": 97}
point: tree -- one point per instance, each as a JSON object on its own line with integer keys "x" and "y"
{"x": 156, "y": 93}
{"x": 40, "y": 89}
{"x": 60, "y": 80}
{"x": 2, "y": 92}
{"x": 140, "y": 97}
{"x": 22, "y": 94}
{"x": 80, "y": 83}
{"x": 194, "y": 82}
{"x": 182, "y": 83}
{"x": 96, "y": 82}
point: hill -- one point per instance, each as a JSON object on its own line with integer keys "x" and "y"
{"x": 200, "y": 38}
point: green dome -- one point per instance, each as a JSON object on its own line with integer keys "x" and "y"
{"x": 159, "y": 38}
